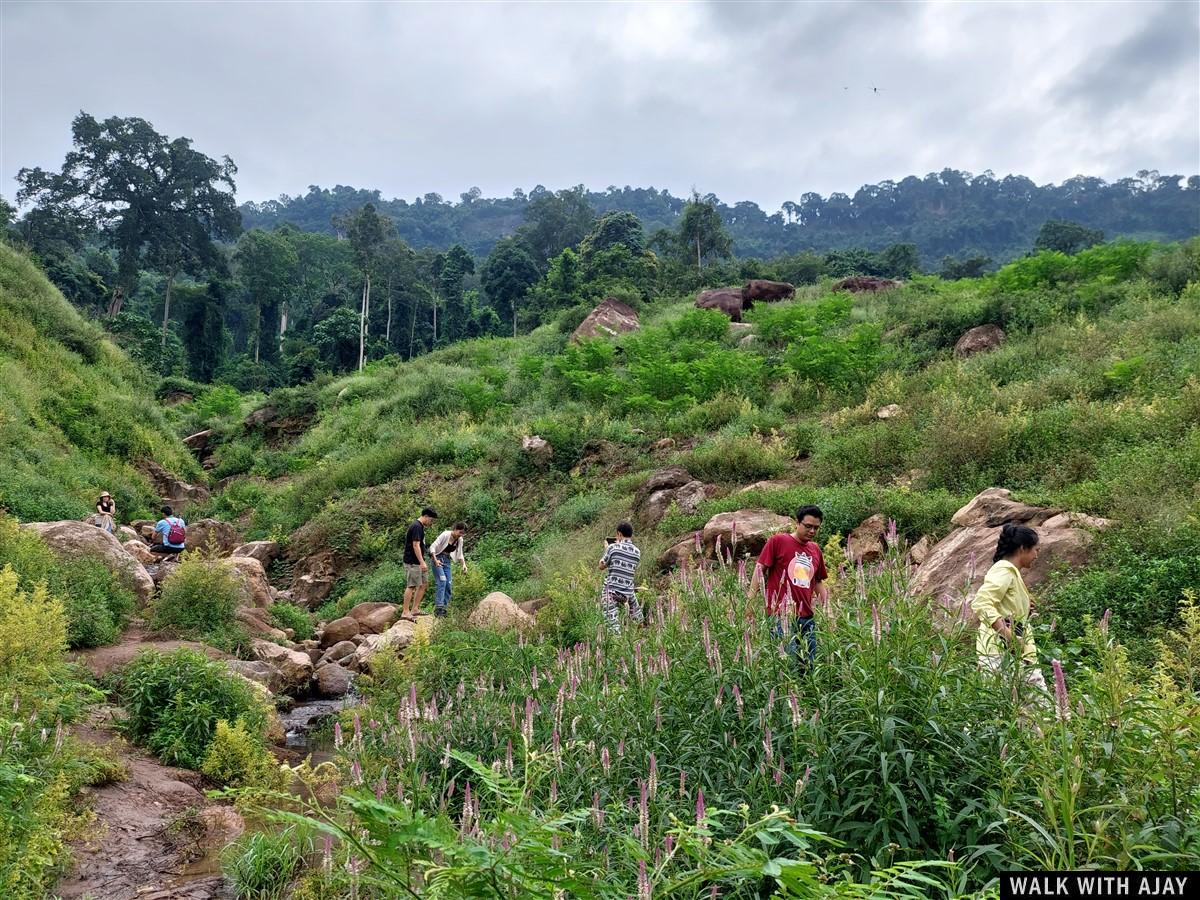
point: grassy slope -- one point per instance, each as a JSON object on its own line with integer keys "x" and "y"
{"x": 75, "y": 413}
{"x": 1093, "y": 404}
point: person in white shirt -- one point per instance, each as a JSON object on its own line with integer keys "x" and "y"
{"x": 447, "y": 547}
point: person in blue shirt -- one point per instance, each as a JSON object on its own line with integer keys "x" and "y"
{"x": 170, "y": 533}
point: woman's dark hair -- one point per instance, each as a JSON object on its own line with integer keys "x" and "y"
{"x": 1012, "y": 539}
{"x": 460, "y": 526}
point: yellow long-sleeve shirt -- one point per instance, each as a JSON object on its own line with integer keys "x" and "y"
{"x": 1002, "y": 596}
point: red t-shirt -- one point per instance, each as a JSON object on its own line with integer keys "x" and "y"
{"x": 793, "y": 569}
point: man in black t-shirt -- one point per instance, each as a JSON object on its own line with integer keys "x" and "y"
{"x": 416, "y": 567}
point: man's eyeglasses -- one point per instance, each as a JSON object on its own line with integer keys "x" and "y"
{"x": 810, "y": 526}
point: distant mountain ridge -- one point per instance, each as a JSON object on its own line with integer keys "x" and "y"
{"x": 948, "y": 213}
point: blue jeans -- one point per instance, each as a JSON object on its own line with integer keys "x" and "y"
{"x": 802, "y": 626}
{"x": 441, "y": 569}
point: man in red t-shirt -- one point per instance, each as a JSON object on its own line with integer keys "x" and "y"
{"x": 795, "y": 574}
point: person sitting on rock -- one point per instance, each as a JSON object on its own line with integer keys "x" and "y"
{"x": 170, "y": 533}
{"x": 444, "y": 550}
{"x": 619, "y": 564}
{"x": 1003, "y": 607}
{"x": 106, "y": 512}
{"x": 794, "y": 571}
{"x": 416, "y": 567}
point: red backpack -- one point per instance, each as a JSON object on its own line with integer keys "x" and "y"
{"x": 176, "y": 533}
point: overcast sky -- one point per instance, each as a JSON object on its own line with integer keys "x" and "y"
{"x": 758, "y": 101}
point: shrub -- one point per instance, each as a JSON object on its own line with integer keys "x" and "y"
{"x": 262, "y": 865}
{"x": 482, "y": 510}
{"x": 98, "y": 605}
{"x": 580, "y": 510}
{"x": 237, "y": 758}
{"x": 741, "y": 458}
{"x": 200, "y": 597}
{"x": 285, "y": 615}
{"x": 175, "y": 700}
{"x": 33, "y": 631}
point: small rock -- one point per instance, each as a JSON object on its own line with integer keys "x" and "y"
{"x": 333, "y": 680}
{"x": 256, "y": 671}
{"x": 398, "y": 637}
{"x": 294, "y": 667}
{"x": 867, "y": 543}
{"x": 610, "y": 318}
{"x": 666, "y": 443}
{"x": 891, "y": 411}
{"x": 979, "y": 340}
{"x": 264, "y": 551}
{"x": 765, "y": 486}
{"x": 338, "y": 651}
{"x": 256, "y": 622}
{"x": 498, "y": 611}
{"x": 375, "y": 618}
{"x": 338, "y": 630}
{"x": 537, "y": 448}
{"x": 919, "y": 552}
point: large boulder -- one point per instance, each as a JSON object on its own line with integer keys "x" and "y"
{"x": 498, "y": 612}
{"x": 768, "y": 291}
{"x": 339, "y": 630}
{"x": 995, "y": 506}
{"x": 748, "y": 529}
{"x": 979, "y": 340}
{"x": 672, "y": 486}
{"x": 610, "y": 318}
{"x": 198, "y": 442}
{"x": 337, "y": 652}
{"x": 140, "y": 551}
{"x": 128, "y": 533}
{"x": 374, "y": 618}
{"x": 726, "y": 300}
{"x": 256, "y": 623}
{"x": 212, "y": 536}
{"x": 398, "y": 637}
{"x": 264, "y": 551}
{"x": 312, "y": 580}
{"x": 682, "y": 552}
{"x": 333, "y": 680}
{"x": 868, "y": 542}
{"x": 956, "y": 565}
{"x": 79, "y": 540}
{"x": 294, "y": 668}
{"x": 257, "y": 672}
{"x": 176, "y": 492}
{"x": 249, "y": 571}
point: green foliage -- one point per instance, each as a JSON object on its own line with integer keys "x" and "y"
{"x": 237, "y": 758}
{"x": 73, "y": 409}
{"x": 261, "y": 865}
{"x": 1066, "y": 237}
{"x": 200, "y": 598}
{"x": 175, "y": 700}
{"x": 742, "y": 458}
{"x": 285, "y": 615}
{"x": 97, "y": 603}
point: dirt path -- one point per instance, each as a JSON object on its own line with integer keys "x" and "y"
{"x": 102, "y": 660}
{"x": 155, "y": 835}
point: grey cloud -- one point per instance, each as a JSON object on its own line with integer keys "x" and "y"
{"x": 743, "y": 100}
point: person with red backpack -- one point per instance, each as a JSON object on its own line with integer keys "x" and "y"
{"x": 171, "y": 533}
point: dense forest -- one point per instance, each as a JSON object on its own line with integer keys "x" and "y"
{"x": 143, "y": 232}
{"x": 947, "y": 213}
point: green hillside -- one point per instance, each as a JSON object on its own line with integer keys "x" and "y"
{"x": 1092, "y": 404}
{"x": 75, "y": 414}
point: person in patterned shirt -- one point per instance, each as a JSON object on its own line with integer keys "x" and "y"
{"x": 619, "y": 564}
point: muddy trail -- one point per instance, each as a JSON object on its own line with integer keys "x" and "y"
{"x": 155, "y": 836}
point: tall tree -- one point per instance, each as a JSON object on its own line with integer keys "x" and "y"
{"x": 267, "y": 267}
{"x": 701, "y": 233}
{"x": 555, "y": 221}
{"x": 367, "y": 232}
{"x": 155, "y": 200}
{"x": 507, "y": 274}
{"x": 1066, "y": 237}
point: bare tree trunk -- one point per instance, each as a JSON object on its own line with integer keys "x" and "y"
{"x": 433, "y": 301}
{"x": 514, "y": 304}
{"x": 167, "y": 310}
{"x": 283, "y": 314}
{"x": 257, "y": 337}
{"x": 412, "y": 329}
{"x": 699, "y": 267}
{"x": 362, "y": 322}
{"x": 387, "y": 329}
{"x": 118, "y": 299}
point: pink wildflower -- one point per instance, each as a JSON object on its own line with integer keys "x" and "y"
{"x": 876, "y": 625}
{"x": 605, "y": 762}
{"x": 701, "y": 811}
{"x": 1061, "y": 701}
{"x": 1103, "y": 626}
{"x": 653, "y": 776}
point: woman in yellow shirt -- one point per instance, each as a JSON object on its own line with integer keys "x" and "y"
{"x": 1002, "y": 604}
